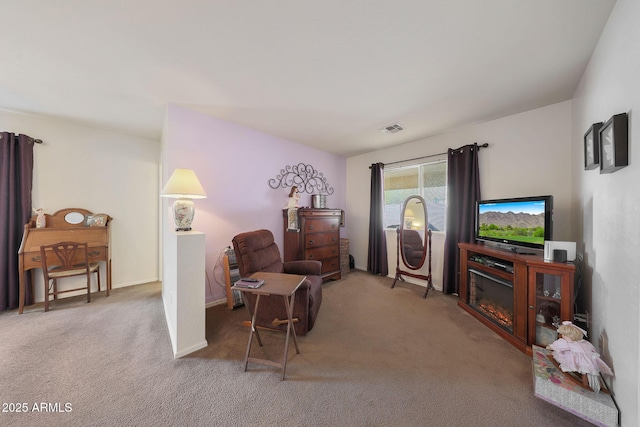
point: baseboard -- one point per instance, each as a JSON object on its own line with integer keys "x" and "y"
{"x": 134, "y": 283}
{"x": 190, "y": 350}
{"x": 216, "y": 302}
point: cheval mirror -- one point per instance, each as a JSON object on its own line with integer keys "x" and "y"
{"x": 414, "y": 242}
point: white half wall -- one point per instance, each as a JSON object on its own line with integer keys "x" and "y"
{"x": 182, "y": 290}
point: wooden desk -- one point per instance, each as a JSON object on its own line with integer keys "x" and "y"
{"x": 280, "y": 284}
{"x": 59, "y": 229}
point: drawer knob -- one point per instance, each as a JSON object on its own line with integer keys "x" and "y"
{"x": 311, "y": 227}
{"x": 94, "y": 253}
{"x": 310, "y": 256}
{"x": 311, "y": 242}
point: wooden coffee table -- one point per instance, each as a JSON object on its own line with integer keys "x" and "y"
{"x": 276, "y": 284}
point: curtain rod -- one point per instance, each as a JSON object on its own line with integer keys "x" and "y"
{"x": 37, "y": 141}
{"x": 34, "y": 140}
{"x": 485, "y": 145}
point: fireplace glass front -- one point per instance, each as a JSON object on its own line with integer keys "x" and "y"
{"x": 492, "y": 297}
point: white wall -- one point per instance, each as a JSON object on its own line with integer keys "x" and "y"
{"x": 234, "y": 165}
{"x": 529, "y": 154}
{"x": 104, "y": 172}
{"x": 608, "y": 206}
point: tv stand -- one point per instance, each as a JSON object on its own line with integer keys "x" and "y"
{"x": 530, "y": 293}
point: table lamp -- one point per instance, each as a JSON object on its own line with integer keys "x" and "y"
{"x": 183, "y": 185}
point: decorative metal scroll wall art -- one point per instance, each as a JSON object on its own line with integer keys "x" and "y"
{"x": 305, "y": 177}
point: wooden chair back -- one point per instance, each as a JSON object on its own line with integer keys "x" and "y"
{"x": 65, "y": 259}
{"x": 64, "y": 256}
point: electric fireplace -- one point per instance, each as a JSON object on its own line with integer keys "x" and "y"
{"x": 506, "y": 292}
{"x": 492, "y": 297}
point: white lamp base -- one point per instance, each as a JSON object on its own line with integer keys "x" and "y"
{"x": 183, "y": 212}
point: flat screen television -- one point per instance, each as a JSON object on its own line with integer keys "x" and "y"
{"x": 520, "y": 224}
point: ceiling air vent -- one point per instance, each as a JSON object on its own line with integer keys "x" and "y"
{"x": 394, "y": 128}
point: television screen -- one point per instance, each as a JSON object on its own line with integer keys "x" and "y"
{"x": 517, "y": 222}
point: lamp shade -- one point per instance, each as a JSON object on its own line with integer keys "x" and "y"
{"x": 183, "y": 184}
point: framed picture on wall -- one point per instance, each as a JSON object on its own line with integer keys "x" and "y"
{"x": 592, "y": 147}
{"x": 614, "y": 145}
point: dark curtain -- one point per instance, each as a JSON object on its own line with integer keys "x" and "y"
{"x": 16, "y": 176}
{"x": 463, "y": 190}
{"x": 377, "y": 256}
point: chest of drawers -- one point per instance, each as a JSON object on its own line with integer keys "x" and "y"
{"x": 317, "y": 238}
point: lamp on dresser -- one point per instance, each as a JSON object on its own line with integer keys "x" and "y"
{"x": 183, "y": 185}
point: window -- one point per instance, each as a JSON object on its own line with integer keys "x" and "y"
{"x": 428, "y": 180}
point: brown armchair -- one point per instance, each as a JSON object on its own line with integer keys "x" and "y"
{"x": 257, "y": 251}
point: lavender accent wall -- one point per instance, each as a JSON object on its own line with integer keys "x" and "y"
{"x": 234, "y": 165}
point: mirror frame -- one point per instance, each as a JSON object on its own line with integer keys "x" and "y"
{"x": 426, "y": 255}
{"x": 424, "y": 232}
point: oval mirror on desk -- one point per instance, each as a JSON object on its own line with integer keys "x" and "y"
{"x": 74, "y": 218}
{"x": 412, "y": 232}
{"x": 414, "y": 242}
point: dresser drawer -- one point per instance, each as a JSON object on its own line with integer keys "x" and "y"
{"x": 315, "y": 240}
{"x": 321, "y": 225}
{"x": 330, "y": 265}
{"x": 323, "y": 252}
{"x": 318, "y": 239}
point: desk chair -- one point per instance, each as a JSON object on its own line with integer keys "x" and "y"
{"x": 66, "y": 259}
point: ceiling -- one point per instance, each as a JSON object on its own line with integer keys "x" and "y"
{"x": 327, "y": 74}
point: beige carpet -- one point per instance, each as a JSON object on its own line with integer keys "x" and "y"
{"x": 376, "y": 357}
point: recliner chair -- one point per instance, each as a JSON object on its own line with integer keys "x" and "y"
{"x": 257, "y": 251}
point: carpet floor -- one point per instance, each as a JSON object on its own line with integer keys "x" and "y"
{"x": 376, "y": 357}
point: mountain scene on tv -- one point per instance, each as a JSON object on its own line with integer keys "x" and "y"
{"x": 520, "y": 227}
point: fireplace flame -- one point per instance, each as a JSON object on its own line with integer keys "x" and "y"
{"x": 499, "y": 314}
